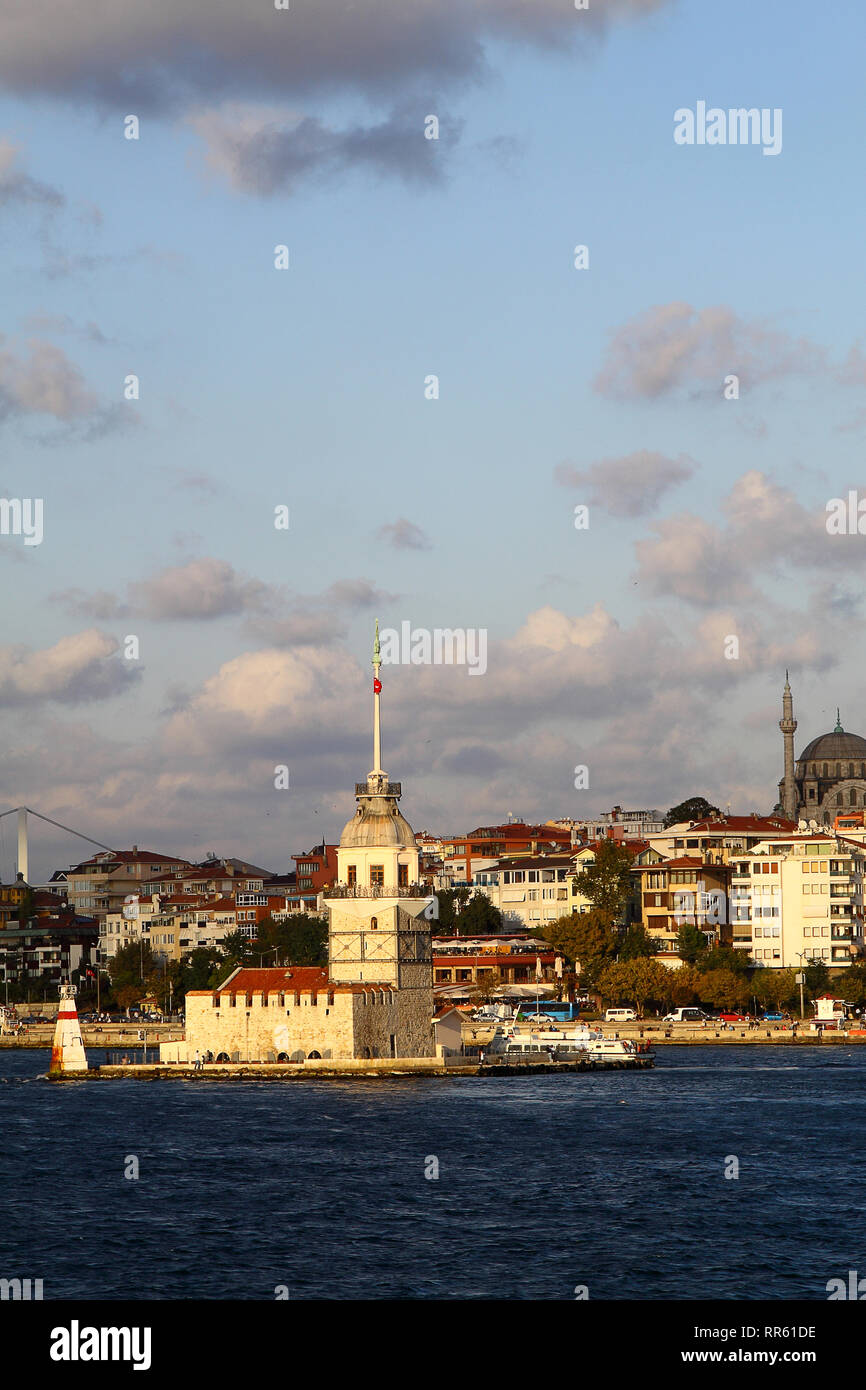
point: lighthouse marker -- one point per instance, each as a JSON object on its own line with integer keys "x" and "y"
{"x": 67, "y": 1050}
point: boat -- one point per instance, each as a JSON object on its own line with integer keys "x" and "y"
{"x": 556, "y": 1043}
{"x": 616, "y": 1047}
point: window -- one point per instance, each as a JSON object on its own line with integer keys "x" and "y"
{"x": 297, "y": 998}
{"x": 377, "y": 875}
{"x": 330, "y": 997}
{"x": 353, "y": 875}
{"x": 374, "y": 923}
{"x": 314, "y": 999}
{"x": 402, "y": 875}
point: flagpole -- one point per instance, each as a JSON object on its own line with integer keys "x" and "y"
{"x": 377, "y": 730}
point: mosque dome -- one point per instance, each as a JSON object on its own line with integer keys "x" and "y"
{"x": 834, "y": 747}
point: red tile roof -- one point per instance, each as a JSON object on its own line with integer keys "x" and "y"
{"x": 755, "y": 825}
{"x": 274, "y": 979}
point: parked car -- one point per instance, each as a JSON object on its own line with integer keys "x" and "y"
{"x": 772, "y": 1018}
{"x": 687, "y": 1015}
{"x": 734, "y": 1018}
{"x": 620, "y": 1016}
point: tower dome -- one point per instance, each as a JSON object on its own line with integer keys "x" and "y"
{"x": 377, "y": 821}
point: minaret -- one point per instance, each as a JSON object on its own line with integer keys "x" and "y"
{"x": 788, "y": 725}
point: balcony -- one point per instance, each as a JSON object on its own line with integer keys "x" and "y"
{"x": 387, "y": 789}
{"x": 359, "y": 890}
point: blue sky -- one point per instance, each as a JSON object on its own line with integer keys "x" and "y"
{"x": 305, "y": 387}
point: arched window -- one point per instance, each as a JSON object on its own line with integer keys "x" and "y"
{"x": 374, "y": 922}
{"x": 826, "y": 773}
{"x": 838, "y": 798}
{"x": 853, "y": 797}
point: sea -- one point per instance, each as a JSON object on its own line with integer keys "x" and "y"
{"x": 724, "y": 1173}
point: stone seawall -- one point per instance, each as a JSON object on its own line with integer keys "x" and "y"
{"x": 360, "y": 1068}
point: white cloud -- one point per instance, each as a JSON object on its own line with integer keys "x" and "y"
{"x": 76, "y": 669}
{"x": 629, "y": 486}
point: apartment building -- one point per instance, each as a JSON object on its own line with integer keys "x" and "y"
{"x": 798, "y": 899}
{"x": 171, "y": 927}
{"x": 618, "y": 824}
{"x": 100, "y": 885}
{"x": 499, "y": 841}
{"x": 52, "y": 949}
{"x": 717, "y": 839}
{"x": 533, "y": 890}
{"x": 680, "y": 891}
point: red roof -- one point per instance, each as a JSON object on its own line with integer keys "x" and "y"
{"x": 755, "y": 825}
{"x": 131, "y": 856}
{"x": 273, "y": 979}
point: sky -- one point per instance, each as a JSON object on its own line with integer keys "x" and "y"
{"x": 304, "y": 388}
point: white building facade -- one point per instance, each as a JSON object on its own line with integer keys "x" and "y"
{"x": 798, "y": 900}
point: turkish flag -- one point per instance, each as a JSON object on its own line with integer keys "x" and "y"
{"x": 377, "y": 686}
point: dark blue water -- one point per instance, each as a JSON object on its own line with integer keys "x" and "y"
{"x": 614, "y": 1181}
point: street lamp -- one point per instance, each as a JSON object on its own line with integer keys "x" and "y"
{"x": 801, "y": 978}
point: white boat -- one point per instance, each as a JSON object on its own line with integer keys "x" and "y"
{"x": 612, "y": 1047}
{"x": 573, "y": 1040}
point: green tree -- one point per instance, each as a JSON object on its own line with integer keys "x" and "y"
{"x": 302, "y": 939}
{"x": 696, "y": 808}
{"x": 487, "y": 983}
{"x": 237, "y": 950}
{"x": 725, "y": 958}
{"x": 851, "y": 984}
{"x": 635, "y": 982}
{"x": 685, "y": 986}
{"x": 479, "y": 917}
{"x": 133, "y": 970}
{"x": 450, "y": 901}
{"x": 725, "y": 989}
{"x": 817, "y": 979}
{"x": 635, "y": 943}
{"x": 691, "y": 943}
{"x": 198, "y": 970}
{"x": 607, "y": 881}
{"x": 774, "y": 989}
{"x": 585, "y": 939}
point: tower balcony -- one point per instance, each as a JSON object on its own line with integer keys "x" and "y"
{"x": 363, "y": 890}
{"x": 385, "y": 789}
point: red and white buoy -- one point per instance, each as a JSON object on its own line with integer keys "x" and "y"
{"x": 67, "y": 1050}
